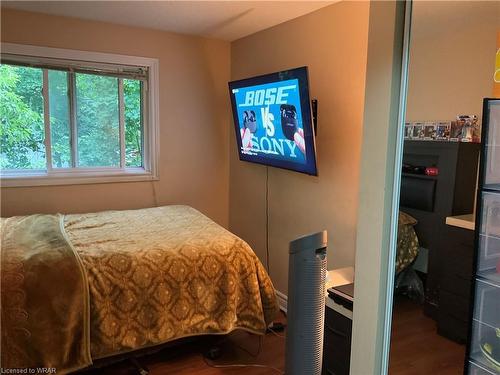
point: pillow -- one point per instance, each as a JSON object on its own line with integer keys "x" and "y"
{"x": 406, "y": 219}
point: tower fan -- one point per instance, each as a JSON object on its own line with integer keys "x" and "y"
{"x": 306, "y": 304}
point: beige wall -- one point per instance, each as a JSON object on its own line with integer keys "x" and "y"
{"x": 194, "y": 117}
{"x": 452, "y": 58}
{"x": 332, "y": 42}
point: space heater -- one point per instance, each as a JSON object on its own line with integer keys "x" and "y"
{"x": 306, "y": 304}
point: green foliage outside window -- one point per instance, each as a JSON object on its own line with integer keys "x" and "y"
{"x": 22, "y": 130}
{"x": 133, "y": 127}
{"x": 97, "y": 121}
{"x": 59, "y": 119}
{"x": 21, "y": 118}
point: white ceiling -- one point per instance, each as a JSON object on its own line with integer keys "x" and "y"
{"x": 227, "y": 20}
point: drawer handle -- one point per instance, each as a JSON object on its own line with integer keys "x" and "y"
{"x": 336, "y": 331}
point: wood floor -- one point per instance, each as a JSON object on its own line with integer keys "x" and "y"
{"x": 237, "y": 348}
{"x": 416, "y": 349}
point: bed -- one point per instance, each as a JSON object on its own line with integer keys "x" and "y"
{"x": 407, "y": 248}
{"x": 78, "y": 288}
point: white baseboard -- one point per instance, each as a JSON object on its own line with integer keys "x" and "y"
{"x": 282, "y": 300}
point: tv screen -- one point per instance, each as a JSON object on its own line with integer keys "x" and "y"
{"x": 273, "y": 120}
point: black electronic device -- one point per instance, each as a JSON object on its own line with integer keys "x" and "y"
{"x": 314, "y": 107}
{"x": 273, "y": 119}
{"x": 343, "y": 295}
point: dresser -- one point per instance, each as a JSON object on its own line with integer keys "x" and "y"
{"x": 338, "y": 327}
{"x": 455, "y": 280}
{"x": 430, "y": 199}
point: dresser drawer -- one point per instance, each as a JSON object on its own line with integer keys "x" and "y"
{"x": 456, "y": 246}
{"x": 479, "y": 369}
{"x": 454, "y": 305}
{"x": 454, "y": 283}
{"x": 452, "y": 328}
{"x": 337, "y": 323}
{"x": 336, "y": 343}
{"x": 489, "y": 241}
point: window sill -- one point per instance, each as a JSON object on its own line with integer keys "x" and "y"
{"x": 42, "y": 178}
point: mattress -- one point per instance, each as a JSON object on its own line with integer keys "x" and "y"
{"x": 112, "y": 282}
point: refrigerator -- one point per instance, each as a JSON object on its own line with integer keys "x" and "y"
{"x": 483, "y": 344}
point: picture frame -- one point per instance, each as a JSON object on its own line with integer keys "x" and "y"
{"x": 443, "y": 130}
{"x": 417, "y": 130}
{"x": 456, "y": 129}
{"x": 429, "y": 131}
{"x": 469, "y": 127}
{"x": 408, "y": 130}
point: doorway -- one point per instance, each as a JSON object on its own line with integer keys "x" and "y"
{"x": 451, "y": 65}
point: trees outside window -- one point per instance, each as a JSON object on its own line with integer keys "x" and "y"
{"x": 87, "y": 114}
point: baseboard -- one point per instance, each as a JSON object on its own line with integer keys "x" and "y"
{"x": 282, "y": 300}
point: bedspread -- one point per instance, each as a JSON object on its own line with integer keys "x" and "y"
{"x": 44, "y": 313}
{"x": 407, "y": 246}
{"x": 164, "y": 273}
{"x": 150, "y": 276}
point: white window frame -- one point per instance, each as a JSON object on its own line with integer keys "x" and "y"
{"x": 151, "y": 122}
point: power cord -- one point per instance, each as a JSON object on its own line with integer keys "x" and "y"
{"x": 280, "y": 326}
{"x": 276, "y": 333}
{"x": 275, "y": 328}
{"x": 267, "y": 221}
{"x": 261, "y": 339}
{"x": 243, "y": 365}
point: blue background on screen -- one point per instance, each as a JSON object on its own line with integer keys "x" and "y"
{"x": 268, "y": 98}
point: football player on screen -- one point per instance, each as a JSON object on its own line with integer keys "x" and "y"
{"x": 298, "y": 138}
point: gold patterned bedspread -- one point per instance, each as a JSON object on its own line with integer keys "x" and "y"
{"x": 164, "y": 273}
{"x": 44, "y": 314}
{"x": 407, "y": 247}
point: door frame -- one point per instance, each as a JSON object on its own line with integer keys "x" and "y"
{"x": 380, "y": 178}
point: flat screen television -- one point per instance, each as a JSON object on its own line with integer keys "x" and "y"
{"x": 273, "y": 120}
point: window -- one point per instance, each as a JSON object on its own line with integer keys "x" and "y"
{"x": 76, "y": 117}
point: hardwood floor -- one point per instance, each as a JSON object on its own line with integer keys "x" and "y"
{"x": 237, "y": 348}
{"x": 416, "y": 348}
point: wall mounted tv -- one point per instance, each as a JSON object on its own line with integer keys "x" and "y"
{"x": 273, "y": 120}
